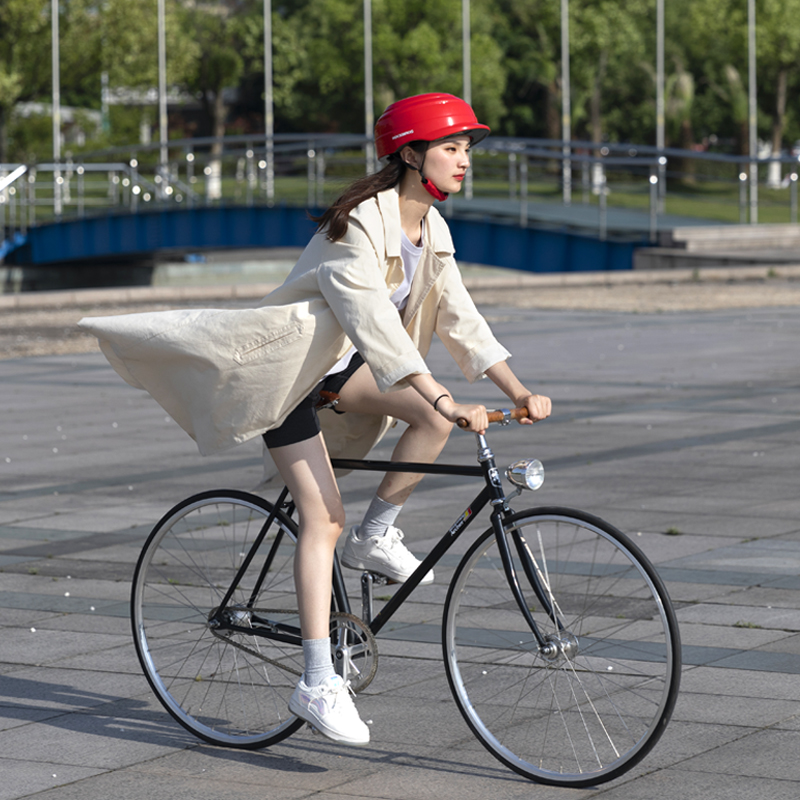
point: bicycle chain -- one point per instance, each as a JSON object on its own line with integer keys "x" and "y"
{"x": 253, "y": 652}
{"x": 341, "y": 615}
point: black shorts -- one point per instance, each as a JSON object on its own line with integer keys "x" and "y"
{"x": 303, "y": 422}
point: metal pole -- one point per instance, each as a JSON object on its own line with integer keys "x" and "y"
{"x": 742, "y": 197}
{"x": 162, "y": 96}
{"x": 369, "y": 103}
{"x": 660, "y": 138}
{"x": 566, "y": 114}
{"x": 751, "y": 46}
{"x": 269, "y": 119}
{"x": 653, "y": 203}
{"x": 57, "y": 206}
{"x": 311, "y": 156}
{"x": 603, "y": 211}
{"x": 466, "y": 59}
{"x": 466, "y": 51}
{"x": 32, "y": 200}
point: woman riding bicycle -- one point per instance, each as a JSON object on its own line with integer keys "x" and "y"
{"x": 356, "y": 316}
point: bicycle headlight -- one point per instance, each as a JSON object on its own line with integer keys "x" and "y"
{"x": 528, "y": 473}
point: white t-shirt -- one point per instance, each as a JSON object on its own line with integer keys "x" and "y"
{"x": 410, "y": 253}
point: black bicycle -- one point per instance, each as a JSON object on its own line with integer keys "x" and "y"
{"x": 560, "y": 643}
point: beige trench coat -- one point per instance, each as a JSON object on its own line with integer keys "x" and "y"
{"x": 226, "y": 376}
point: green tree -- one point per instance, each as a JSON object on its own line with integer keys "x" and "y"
{"x": 220, "y": 35}
{"x": 714, "y": 37}
{"x": 778, "y": 50}
{"x": 418, "y": 48}
{"x": 24, "y": 58}
{"x": 529, "y": 35}
{"x": 609, "y": 64}
{"x": 318, "y": 53}
{"x": 128, "y": 41}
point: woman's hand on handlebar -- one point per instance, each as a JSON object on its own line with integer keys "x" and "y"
{"x": 539, "y": 408}
{"x": 475, "y": 416}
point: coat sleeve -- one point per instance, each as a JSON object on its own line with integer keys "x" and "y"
{"x": 463, "y": 330}
{"x": 352, "y": 281}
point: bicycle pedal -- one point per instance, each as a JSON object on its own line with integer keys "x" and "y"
{"x": 313, "y": 730}
{"x": 379, "y": 579}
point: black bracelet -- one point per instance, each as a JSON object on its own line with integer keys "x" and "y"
{"x": 436, "y": 401}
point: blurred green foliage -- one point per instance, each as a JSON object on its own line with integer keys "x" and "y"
{"x": 215, "y": 65}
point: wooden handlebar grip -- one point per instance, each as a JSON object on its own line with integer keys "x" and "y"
{"x": 499, "y": 416}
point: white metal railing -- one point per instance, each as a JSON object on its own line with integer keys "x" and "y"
{"x": 508, "y": 178}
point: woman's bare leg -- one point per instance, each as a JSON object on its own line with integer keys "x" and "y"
{"x": 422, "y": 441}
{"x": 306, "y": 469}
{"x": 324, "y": 702}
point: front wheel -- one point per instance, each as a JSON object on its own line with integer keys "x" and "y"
{"x": 591, "y": 702}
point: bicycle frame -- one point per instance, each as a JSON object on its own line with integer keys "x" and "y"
{"x": 492, "y": 493}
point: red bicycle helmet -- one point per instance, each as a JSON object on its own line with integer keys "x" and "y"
{"x": 426, "y": 117}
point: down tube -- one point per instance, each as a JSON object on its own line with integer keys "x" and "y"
{"x": 442, "y": 546}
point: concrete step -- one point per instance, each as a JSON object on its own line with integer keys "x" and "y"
{"x": 646, "y": 258}
{"x": 732, "y": 238}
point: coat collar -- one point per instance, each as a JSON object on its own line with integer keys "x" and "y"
{"x": 437, "y": 234}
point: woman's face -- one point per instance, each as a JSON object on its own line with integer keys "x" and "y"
{"x": 446, "y": 163}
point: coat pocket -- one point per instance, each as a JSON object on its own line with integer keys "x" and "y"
{"x": 264, "y": 345}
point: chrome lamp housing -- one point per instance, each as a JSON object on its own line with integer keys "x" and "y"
{"x": 527, "y": 473}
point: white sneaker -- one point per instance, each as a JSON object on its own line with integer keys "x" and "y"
{"x": 330, "y": 709}
{"x": 386, "y": 555}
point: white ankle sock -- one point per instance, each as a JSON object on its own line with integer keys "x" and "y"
{"x": 318, "y": 662}
{"x": 380, "y": 515}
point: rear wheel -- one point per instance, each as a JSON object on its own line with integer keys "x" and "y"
{"x": 593, "y": 701}
{"x": 225, "y": 684}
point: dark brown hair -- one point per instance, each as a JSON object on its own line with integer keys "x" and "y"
{"x": 335, "y": 219}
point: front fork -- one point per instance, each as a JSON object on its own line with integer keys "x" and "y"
{"x": 500, "y": 513}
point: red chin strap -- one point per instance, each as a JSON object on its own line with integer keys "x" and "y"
{"x": 432, "y": 190}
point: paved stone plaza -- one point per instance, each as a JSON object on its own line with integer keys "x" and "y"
{"x": 682, "y": 428}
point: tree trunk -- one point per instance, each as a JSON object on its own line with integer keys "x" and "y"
{"x": 779, "y": 117}
{"x": 687, "y": 140}
{"x": 594, "y": 110}
{"x": 743, "y": 135}
{"x": 552, "y": 118}
{"x": 778, "y": 122}
{"x": 215, "y": 109}
{"x": 3, "y": 135}
{"x": 219, "y": 112}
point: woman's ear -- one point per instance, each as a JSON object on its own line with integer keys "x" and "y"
{"x": 410, "y": 157}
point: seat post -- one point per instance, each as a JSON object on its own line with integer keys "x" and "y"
{"x": 367, "y": 607}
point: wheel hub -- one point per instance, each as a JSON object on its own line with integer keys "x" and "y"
{"x": 232, "y": 615}
{"x": 562, "y": 646}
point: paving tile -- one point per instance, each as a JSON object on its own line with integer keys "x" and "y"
{"x": 28, "y": 777}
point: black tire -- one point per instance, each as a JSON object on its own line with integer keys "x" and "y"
{"x": 597, "y": 703}
{"x": 228, "y": 688}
